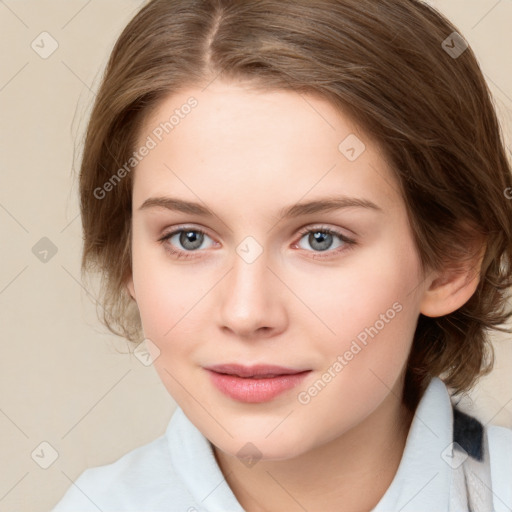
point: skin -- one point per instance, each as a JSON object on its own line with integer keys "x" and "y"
{"x": 246, "y": 154}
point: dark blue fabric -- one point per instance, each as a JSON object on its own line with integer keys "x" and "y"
{"x": 468, "y": 432}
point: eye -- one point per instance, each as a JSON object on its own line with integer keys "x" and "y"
{"x": 190, "y": 239}
{"x": 321, "y": 240}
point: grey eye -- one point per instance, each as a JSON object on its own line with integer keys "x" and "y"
{"x": 321, "y": 240}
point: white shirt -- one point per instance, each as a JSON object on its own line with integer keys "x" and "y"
{"x": 178, "y": 472}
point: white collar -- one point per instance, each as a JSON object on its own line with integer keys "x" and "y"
{"x": 193, "y": 458}
{"x": 422, "y": 482}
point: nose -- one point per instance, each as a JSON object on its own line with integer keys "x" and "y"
{"x": 252, "y": 300}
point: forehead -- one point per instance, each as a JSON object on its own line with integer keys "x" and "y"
{"x": 239, "y": 144}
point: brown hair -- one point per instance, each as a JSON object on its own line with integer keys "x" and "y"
{"x": 385, "y": 65}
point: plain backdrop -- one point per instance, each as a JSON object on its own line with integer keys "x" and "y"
{"x": 69, "y": 390}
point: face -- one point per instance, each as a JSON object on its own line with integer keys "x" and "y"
{"x": 330, "y": 294}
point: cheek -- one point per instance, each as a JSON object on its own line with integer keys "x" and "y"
{"x": 370, "y": 295}
{"x": 373, "y": 318}
{"x": 167, "y": 298}
{"x": 161, "y": 291}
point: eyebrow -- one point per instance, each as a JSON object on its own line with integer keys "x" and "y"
{"x": 317, "y": 206}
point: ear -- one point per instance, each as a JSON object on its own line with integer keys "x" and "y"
{"x": 452, "y": 287}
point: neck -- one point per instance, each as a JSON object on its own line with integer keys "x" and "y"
{"x": 351, "y": 473}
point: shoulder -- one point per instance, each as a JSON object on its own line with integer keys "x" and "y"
{"x": 143, "y": 477}
{"x": 500, "y": 451}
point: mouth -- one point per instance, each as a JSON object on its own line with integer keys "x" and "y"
{"x": 254, "y": 384}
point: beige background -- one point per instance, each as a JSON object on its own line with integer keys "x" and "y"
{"x": 63, "y": 379}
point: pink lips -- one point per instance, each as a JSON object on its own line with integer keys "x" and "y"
{"x": 254, "y": 384}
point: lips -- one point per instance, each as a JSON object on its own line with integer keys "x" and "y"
{"x": 254, "y": 384}
{"x": 261, "y": 371}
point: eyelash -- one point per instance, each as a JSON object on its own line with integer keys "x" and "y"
{"x": 349, "y": 242}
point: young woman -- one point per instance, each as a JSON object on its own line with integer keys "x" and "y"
{"x": 303, "y": 208}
